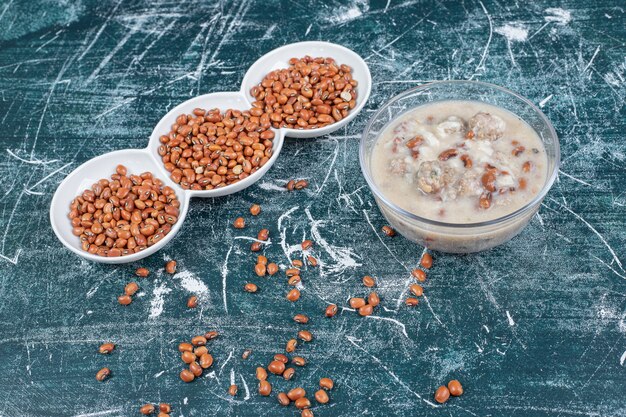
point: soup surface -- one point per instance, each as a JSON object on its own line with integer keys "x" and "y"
{"x": 459, "y": 162}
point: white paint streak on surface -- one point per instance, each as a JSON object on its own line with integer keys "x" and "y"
{"x": 559, "y": 16}
{"x": 622, "y": 359}
{"x": 513, "y": 32}
{"x": 510, "y": 319}
{"x": 191, "y": 283}
{"x": 158, "y": 300}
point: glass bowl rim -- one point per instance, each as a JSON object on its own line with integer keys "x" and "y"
{"x": 532, "y": 203}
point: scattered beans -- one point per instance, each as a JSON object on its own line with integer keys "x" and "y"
{"x": 123, "y": 215}
{"x": 427, "y": 260}
{"x": 103, "y": 374}
{"x": 283, "y": 399}
{"x": 321, "y": 397}
{"x": 170, "y": 267}
{"x": 327, "y": 383}
{"x": 311, "y": 93}
{"x": 389, "y": 231}
{"x": 142, "y": 272}
{"x": 232, "y": 390}
{"x": 306, "y": 244}
{"x": 357, "y": 302}
{"x": 272, "y": 268}
{"x": 366, "y": 310}
{"x": 106, "y": 348}
{"x": 239, "y": 223}
{"x": 301, "y": 318}
{"x": 416, "y": 290}
{"x": 311, "y": 260}
{"x": 331, "y": 310}
{"x": 255, "y": 209}
{"x": 265, "y": 388}
{"x": 419, "y": 275}
{"x": 289, "y": 373}
{"x": 305, "y": 335}
{"x": 373, "y": 299}
{"x": 291, "y": 345}
{"x": 205, "y": 150}
{"x": 250, "y": 287}
{"x": 187, "y": 376}
{"x": 411, "y": 302}
{"x": 368, "y": 281}
{"x": 276, "y": 367}
{"x": 192, "y": 302}
{"x": 296, "y": 393}
{"x": 124, "y": 299}
{"x": 146, "y": 409}
{"x": 455, "y": 388}
{"x": 442, "y": 394}
{"x": 293, "y": 295}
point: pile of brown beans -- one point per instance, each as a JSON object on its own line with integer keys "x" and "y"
{"x": 311, "y": 93}
{"x": 205, "y": 150}
{"x": 123, "y": 215}
{"x": 196, "y": 355}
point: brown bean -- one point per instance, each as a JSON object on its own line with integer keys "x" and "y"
{"x": 165, "y": 408}
{"x": 124, "y": 299}
{"x": 192, "y": 302}
{"x": 455, "y": 388}
{"x": 296, "y": 394}
{"x": 283, "y": 399}
{"x": 327, "y": 383}
{"x": 276, "y": 367}
{"x": 188, "y": 357}
{"x": 281, "y": 358}
{"x": 292, "y": 271}
{"x": 260, "y": 269}
{"x": 195, "y": 369}
{"x": 306, "y": 413}
{"x": 306, "y": 244}
{"x": 426, "y": 261}
{"x": 170, "y": 267}
{"x": 206, "y": 361}
{"x": 265, "y": 388}
{"x": 373, "y": 299}
{"x": 368, "y": 281}
{"x": 297, "y": 263}
{"x": 210, "y": 335}
{"x": 250, "y": 287}
{"x": 291, "y": 345}
{"x": 232, "y": 390}
{"x": 311, "y": 260}
{"x": 331, "y": 310}
{"x": 255, "y": 246}
{"x": 293, "y": 295}
{"x": 447, "y": 154}
{"x": 302, "y": 403}
{"x": 263, "y": 234}
{"x": 142, "y": 272}
{"x": 261, "y": 260}
{"x": 239, "y": 223}
{"x": 357, "y": 302}
{"x": 305, "y": 335}
{"x": 294, "y": 280}
{"x": 261, "y": 374}
{"x": 106, "y": 348}
{"x": 289, "y": 373}
{"x": 186, "y": 375}
{"x": 366, "y": 310}
{"x": 103, "y": 374}
{"x": 388, "y": 231}
{"x": 411, "y": 302}
{"x": 489, "y": 180}
{"x": 200, "y": 350}
{"x": 198, "y": 340}
{"x": 419, "y": 275}
{"x": 298, "y": 361}
{"x": 321, "y": 397}
{"x": 146, "y": 409}
{"x": 442, "y": 394}
{"x": 255, "y": 209}
{"x": 272, "y": 268}
{"x": 301, "y": 318}
{"x": 416, "y": 290}
{"x": 185, "y": 347}
{"x": 246, "y": 354}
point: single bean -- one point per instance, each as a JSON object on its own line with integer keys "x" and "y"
{"x": 301, "y": 318}
{"x": 321, "y": 397}
{"x": 331, "y": 310}
{"x": 146, "y": 409}
{"x": 106, "y": 348}
{"x": 265, "y": 388}
{"x": 327, "y": 383}
{"x": 455, "y": 388}
{"x": 170, "y": 267}
{"x": 255, "y": 209}
{"x": 250, "y": 287}
{"x": 366, "y": 310}
{"x": 186, "y": 375}
{"x": 368, "y": 281}
{"x": 442, "y": 394}
{"x": 389, "y": 231}
{"x": 103, "y": 374}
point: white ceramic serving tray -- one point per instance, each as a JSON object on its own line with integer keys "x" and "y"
{"x": 147, "y": 159}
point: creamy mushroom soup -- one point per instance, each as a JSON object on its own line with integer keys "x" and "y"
{"x": 459, "y": 162}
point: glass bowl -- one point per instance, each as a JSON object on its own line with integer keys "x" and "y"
{"x": 459, "y": 237}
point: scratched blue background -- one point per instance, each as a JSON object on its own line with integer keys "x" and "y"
{"x": 533, "y": 328}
